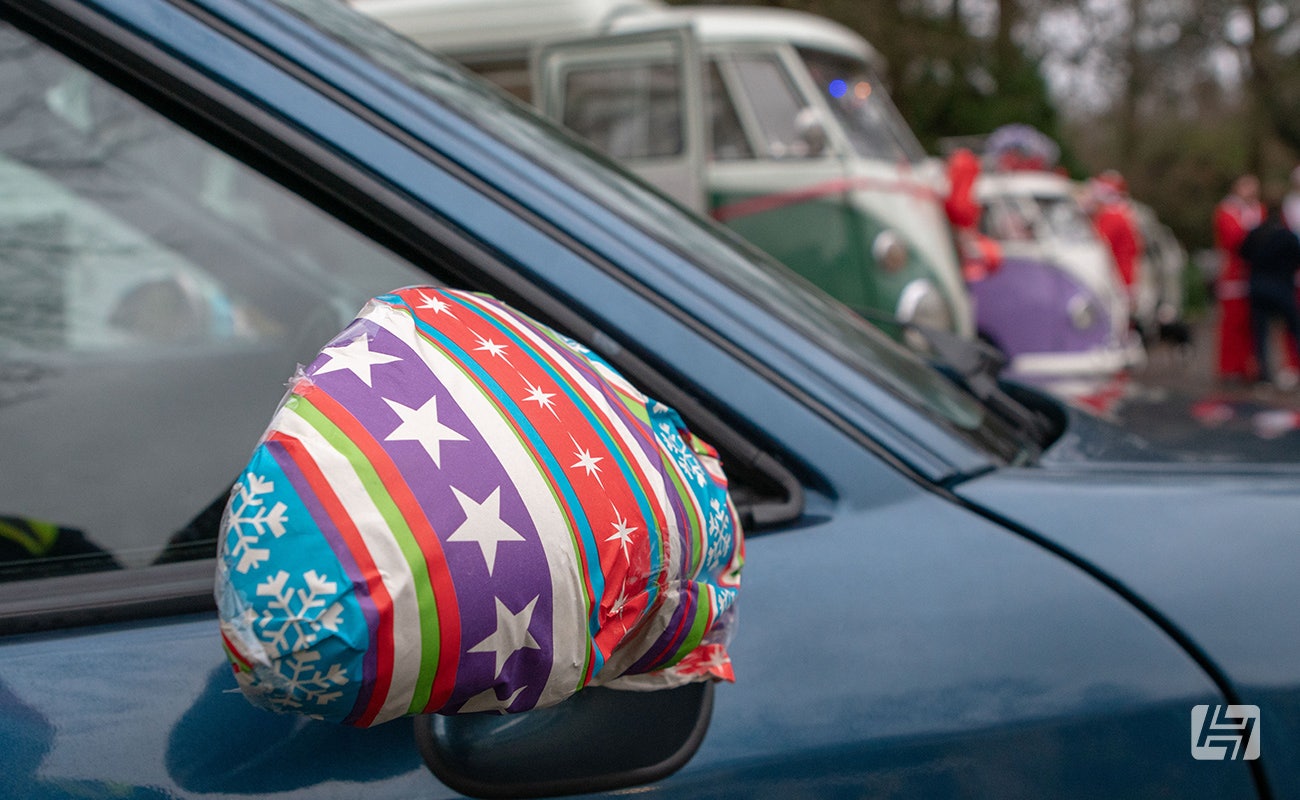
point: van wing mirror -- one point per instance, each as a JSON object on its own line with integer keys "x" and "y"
{"x": 598, "y": 740}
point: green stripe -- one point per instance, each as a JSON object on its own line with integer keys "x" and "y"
{"x": 695, "y": 524}
{"x": 699, "y": 625}
{"x": 37, "y": 538}
{"x": 430, "y": 641}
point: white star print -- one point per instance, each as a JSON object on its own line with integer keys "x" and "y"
{"x": 542, "y": 399}
{"x": 623, "y": 532}
{"x": 356, "y": 357}
{"x": 487, "y": 700}
{"x": 586, "y": 461}
{"x": 620, "y": 603}
{"x": 510, "y": 636}
{"x": 422, "y": 425}
{"x": 438, "y": 305}
{"x": 495, "y": 349}
{"x": 483, "y": 525}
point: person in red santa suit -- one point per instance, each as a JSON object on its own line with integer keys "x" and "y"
{"x": 980, "y": 255}
{"x": 1113, "y": 217}
{"x": 1234, "y": 217}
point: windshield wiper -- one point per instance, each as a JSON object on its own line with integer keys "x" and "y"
{"x": 976, "y": 366}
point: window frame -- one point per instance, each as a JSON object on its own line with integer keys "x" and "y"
{"x": 412, "y": 231}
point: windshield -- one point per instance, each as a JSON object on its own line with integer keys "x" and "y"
{"x": 769, "y": 283}
{"x": 1065, "y": 219}
{"x": 858, "y": 98}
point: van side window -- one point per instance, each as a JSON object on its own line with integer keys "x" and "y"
{"x": 632, "y": 111}
{"x": 729, "y": 142}
{"x": 776, "y": 105}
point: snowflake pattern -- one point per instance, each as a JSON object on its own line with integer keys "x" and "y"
{"x": 719, "y": 535}
{"x": 682, "y": 454}
{"x": 304, "y": 683}
{"x": 286, "y": 630}
{"x": 249, "y": 519}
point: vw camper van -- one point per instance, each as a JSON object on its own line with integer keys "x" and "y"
{"x": 1055, "y": 305}
{"x": 773, "y": 122}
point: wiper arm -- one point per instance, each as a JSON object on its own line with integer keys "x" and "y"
{"x": 976, "y": 365}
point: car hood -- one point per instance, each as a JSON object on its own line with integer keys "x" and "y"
{"x": 1208, "y": 550}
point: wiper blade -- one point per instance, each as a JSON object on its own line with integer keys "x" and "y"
{"x": 976, "y": 366}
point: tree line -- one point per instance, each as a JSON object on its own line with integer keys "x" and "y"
{"x": 1179, "y": 95}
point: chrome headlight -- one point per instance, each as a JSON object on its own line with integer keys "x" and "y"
{"x": 920, "y": 304}
{"x": 889, "y": 250}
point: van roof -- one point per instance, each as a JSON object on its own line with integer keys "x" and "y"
{"x": 481, "y": 29}
{"x": 1023, "y": 182}
{"x": 478, "y": 26}
{"x": 749, "y": 24}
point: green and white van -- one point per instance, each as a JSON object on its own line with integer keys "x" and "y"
{"x": 773, "y": 122}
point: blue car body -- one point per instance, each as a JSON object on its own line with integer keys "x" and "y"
{"x": 937, "y": 619}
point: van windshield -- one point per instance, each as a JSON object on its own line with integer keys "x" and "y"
{"x": 859, "y": 101}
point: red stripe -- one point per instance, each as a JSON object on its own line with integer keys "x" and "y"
{"x": 356, "y": 545}
{"x": 771, "y": 202}
{"x": 444, "y": 593}
{"x": 235, "y": 654}
{"x": 570, "y": 420}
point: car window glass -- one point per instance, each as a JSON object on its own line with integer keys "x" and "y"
{"x": 728, "y": 137}
{"x": 627, "y": 111}
{"x": 1003, "y": 220}
{"x": 857, "y": 97}
{"x": 771, "y": 285}
{"x": 775, "y": 102}
{"x": 1065, "y": 218}
{"x": 156, "y": 296}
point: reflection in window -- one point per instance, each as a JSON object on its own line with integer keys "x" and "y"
{"x": 1065, "y": 218}
{"x": 776, "y": 105}
{"x": 729, "y": 140}
{"x": 627, "y": 112}
{"x": 155, "y": 295}
{"x": 860, "y": 103}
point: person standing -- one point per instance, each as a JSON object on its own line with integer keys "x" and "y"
{"x": 1115, "y": 223}
{"x": 1272, "y": 254}
{"x": 1234, "y": 217}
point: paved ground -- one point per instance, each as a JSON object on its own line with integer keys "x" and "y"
{"x": 1176, "y": 403}
{"x": 1190, "y": 369}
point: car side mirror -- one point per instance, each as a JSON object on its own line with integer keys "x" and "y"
{"x": 598, "y": 740}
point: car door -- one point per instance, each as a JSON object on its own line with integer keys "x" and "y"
{"x": 893, "y": 639}
{"x": 636, "y": 97}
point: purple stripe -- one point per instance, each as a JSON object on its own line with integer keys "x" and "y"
{"x": 521, "y": 570}
{"x": 369, "y": 662}
{"x": 668, "y": 642}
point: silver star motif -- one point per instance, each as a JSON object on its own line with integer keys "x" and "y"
{"x": 623, "y": 532}
{"x": 437, "y": 304}
{"x": 356, "y": 357}
{"x": 510, "y": 636}
{"x": 483, "y": 525}
{"x": 586, "y": 461}
{"x": 542, "y": 399}
{"x": 487, "y": 700}
{"x": 422, "y": 425}
{"x": 495, "y": 349}
{"x": 620, "y": 603}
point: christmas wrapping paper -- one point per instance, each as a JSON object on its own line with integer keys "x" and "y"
{"x": 457, "y": 509}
